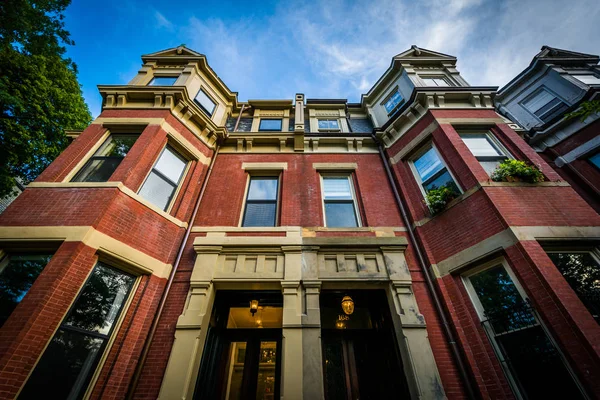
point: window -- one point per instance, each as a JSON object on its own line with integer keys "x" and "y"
{"x": 261, "y": 201}
{"x": 595, "y": 160}
{"x": 588, "y": 79}
{"x": 163, "y": 81}
{"x": 393, "y": 101}
{"x": 106, "y": 159}
{"x": 161, "y": 184}
{"x": 581, "y": 269}
{"x": 17, "y": 274}
{"x": 534, "y": 366}
{"x": 329, "y": 125}
{"x": 339, "y": 202}
{"x": 432, "y": 172}
{"x": 484, "y": 147}
{"x": 72, "y": 356}
{"x": 270, "y": 125}
{"x": 544, "y": 105}
{"x": 205, "y": 102}
{"x": 431, "y": 81}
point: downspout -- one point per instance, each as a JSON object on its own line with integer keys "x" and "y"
{"x": 465, "y": 376}
{"x": 163, "y": 300}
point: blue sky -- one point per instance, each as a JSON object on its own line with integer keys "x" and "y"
{"x": 324, "y": 49}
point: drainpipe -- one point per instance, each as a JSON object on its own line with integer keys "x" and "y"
{"x": 465, "y": 376}
{"x": 237, "y": 122}
{"x": 163, "y": 300}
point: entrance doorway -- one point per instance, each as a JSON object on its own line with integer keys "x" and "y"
{"x": 361, "y": 359}
{"x": 241, "y": 359}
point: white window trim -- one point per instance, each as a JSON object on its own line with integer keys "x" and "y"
{"x": 418, "y": 154}
{"x": 206, "y": 92}
{"x": 260, "y": 174}
{"x": 535, "y": 93}
{"x": 501, "y": 261}
{"x": 436, "y": 76}
{"x": 188, "y": 164}
{"x": 352, "y": 191}
{"x": 388, "y": 96}
{"x": 338, "y": 129}
{"x": 492, "y": 138}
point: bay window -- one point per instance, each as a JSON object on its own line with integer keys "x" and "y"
{"x": 485, "y": 148}
{"x": 106, "y": 159}
{"x": 431, "y": 171}
{"x": 162, "y": 183}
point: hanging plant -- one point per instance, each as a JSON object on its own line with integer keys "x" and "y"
{"x": 438, "y": 199}
{"x": 517, "y": 171}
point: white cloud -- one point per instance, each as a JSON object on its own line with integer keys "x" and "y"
{"x": 162, "y": 21}
{"x": 336, "y": 48}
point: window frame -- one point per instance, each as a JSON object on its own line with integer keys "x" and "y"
{"x": 592, "y": 163}
{"x": 337, "y": 121}
{"x": 573, "y": 248}
{"x": 418, "y": 154}
{"x": 91, "y": 156}
{"x": 480, "y": 311}
{"x": 433, "y": 77}
{"x": 261, "y": 174}
{"x": 494, "y": 142}
{"x": 535, "y": 93}
{"x": 151, "y": 83}
{"x": 270, "y": 130}
{"x": 392, "y": 92}
{"x": 349, "y": 176}
{"x": 109, "y": 338}
{"x": 184, "y": 157}
{"x": 204, "y": 109}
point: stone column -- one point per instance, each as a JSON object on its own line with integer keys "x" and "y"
{"x": 411, "y": 332}
{"x": 292, "y": 356}
{"x": 184, "y": 362}
{"x": 311, "y": 343}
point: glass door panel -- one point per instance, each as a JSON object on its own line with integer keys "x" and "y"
{"x": 235, "y": 370}
{"x": 267, "y": 360}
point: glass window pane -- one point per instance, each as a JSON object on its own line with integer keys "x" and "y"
{"x": 235, "y": 371}
{"x": 263, "y": 188}
{"x": 100, "y": 300}
{"x": 157, "y": 190}
{"x": 65, "y": 368}
{"x": 270, "y": 125}
{"x": 480, "y": 145}
{"x": 340, "y": 215}
{"x": 163, "y": 81}
{"x": 117, "y": 146}
{"x": 490, "y": 166}
{"x": 337, "y": 188}
{"x": 17, "y": 274}
{"x": 595, "y": 159}
{"x": 98, "y": 170}
{"x": 328, "y": 124}
{"x": 205, "y": 102}
{"x": 260, "y": 214}
{"x": 538, "y": 100}
{"x": 170, "y": 165}
{"x": 393, "y": 101}
{"x": 582, "y": 272}
{"x": 500, "y": 299}
{"x": 267, "y": 359}
{"x": 428, "y": 164}
{"x": 588, "y": 79}
{"x": 443, "y": 180}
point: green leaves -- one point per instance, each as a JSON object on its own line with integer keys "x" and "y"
{"x": 438, "y": 199}
{"x": 515, "y": 170}
{"x": 39, "y": 93}
{"x": 586, "y": 109}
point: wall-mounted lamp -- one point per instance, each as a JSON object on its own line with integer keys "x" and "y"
{"x": 253, "y": 307}
{"x": 348, "y": 305}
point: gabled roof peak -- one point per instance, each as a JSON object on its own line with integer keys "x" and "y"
{"x": 179, "y": 51}
{"x": 554, "y": 53}
{"x": 417, "y": 53}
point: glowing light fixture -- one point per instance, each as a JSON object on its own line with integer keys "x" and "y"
{"x": 348, "y": 305}
{"x": 253, "y": 307}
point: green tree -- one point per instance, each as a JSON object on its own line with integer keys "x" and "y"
{"x": 39, "y": 93}
{"x": 586, "y": 109}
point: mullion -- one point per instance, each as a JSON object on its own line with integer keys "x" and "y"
{"x": 84, "y": 331}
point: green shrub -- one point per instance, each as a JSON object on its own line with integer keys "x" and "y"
{"x": 515, "y": 170}
{"x": 437, "y": 199}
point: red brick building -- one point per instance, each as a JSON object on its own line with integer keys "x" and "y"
{"x": 189, "y": 245}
